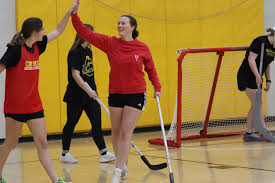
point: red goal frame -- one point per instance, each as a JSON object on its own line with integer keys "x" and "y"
{"x": 183, "y": 52}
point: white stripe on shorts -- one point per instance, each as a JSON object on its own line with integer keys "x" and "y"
{"x": 145, "y": 100}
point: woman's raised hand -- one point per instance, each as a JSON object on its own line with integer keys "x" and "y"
{"x": 74, "y": 7}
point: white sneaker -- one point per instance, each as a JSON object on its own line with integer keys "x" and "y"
{"x": 124, "y": 173}
{"x": 116, "y": 176}
{"x": 107, "y": 157}
{"x": 68, "y": 158}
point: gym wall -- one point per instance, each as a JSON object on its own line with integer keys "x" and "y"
{"x": 164, "y": 26}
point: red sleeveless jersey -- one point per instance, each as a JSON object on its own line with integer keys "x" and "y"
{"x": 21, "y": 93}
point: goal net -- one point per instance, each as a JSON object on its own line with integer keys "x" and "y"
{"x": 208, "y": 102}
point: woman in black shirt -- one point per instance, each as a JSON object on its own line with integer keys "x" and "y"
{"x": 249, "y": 79}
{"x": 80, "y": 97}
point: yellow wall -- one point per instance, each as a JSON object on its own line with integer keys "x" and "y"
{"x": 193, "y": 28}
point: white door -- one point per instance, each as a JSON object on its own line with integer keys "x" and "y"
{"x": 8, "y": 29}
{"x": 269, "y": 14}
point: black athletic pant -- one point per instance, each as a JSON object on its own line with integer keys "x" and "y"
{"x": 74, "y": 111}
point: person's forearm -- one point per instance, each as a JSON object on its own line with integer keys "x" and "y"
{"x": 81, "y": 83}
{"x": 83, "y": 31}
{"x": 253, "y": 67}
{"x": 153, "y": 77}
{"x": 100, "y": 41}
{"x": 63, "y": 23}
{"x": 267, "y": 72}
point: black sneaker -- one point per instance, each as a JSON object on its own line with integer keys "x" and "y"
{"x": 252, "y": 137}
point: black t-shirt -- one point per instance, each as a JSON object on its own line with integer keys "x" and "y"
{"x": 245, "y": 73}
{"x": 13, "y": 54}
{"x": 80, "y": 59}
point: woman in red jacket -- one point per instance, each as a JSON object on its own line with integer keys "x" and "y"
{"x": 22, "y": 100}
{"x": 127, "y": 86}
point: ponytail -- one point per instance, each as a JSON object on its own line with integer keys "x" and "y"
{"x": 17, "y": 39}
{"x": 29, "y": 26}
{"x": 135, "y": 33}
{"x": 133, "y": 22}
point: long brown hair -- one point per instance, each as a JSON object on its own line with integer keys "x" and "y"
{"x": 78, "y": 40}
{"x": 29, "y": 26}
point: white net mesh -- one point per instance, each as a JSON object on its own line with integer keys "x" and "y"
{"x": 230, "y": 106}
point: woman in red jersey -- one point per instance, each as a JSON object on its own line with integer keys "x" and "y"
{"x": 22, "y": 100}
{"x": 127, "y": 86}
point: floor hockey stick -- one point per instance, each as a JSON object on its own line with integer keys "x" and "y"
{"x": 257, "y": 106}
{"x": 144, "y": 159}
{"x": 171, "y": 176}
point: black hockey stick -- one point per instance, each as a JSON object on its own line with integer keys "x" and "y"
{"x": 144, "y": 159}
{"x": 258, "y": 104}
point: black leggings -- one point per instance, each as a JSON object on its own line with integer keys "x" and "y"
{"x": 74, "y": 111}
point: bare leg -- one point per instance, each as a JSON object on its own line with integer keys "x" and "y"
{"x": 116, "y": 119}
{"x": 13, "y": 131}
{"x": 38, "y": 129}
{"x": 129, "y": 120}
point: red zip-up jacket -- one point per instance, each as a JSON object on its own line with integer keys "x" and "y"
{"x": 126, "y": 59}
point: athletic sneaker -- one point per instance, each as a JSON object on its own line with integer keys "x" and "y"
{"x": 2, "y": 180}
{"x": 107, "y": 157}
{"x": 264, "y": 139}
{"x": 252, "y": 137}
{"x": 60, "y": 181}
{"x": 124, "y": 173}
{"x": 68, "y": 158}
{"x": 116, "y": 176}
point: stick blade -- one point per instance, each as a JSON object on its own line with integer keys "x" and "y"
{"x": 171, "y": 176}
{"x": 153, "y": 167}
{"x": 256, "y": 118}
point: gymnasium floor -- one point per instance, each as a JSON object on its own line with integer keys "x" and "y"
{"x": 216, "y": 160}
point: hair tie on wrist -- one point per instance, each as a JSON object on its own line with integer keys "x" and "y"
{"x": 268, "y": 81}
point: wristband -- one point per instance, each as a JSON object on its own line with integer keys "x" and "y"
{"x": 268, "y": 81}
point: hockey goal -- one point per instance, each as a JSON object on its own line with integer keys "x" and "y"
{"x": 208, "y": 102}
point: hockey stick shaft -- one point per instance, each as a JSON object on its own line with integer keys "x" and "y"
{"x": 165, "y": 141}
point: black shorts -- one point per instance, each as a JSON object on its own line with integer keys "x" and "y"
{"x": 137, "y": 100}
{"x": 26, "y": 117}
{"x": 246, "y": 80}
{"x": 242, "y": 85}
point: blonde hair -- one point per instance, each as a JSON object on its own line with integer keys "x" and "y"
{"x": 271, "y": 31}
